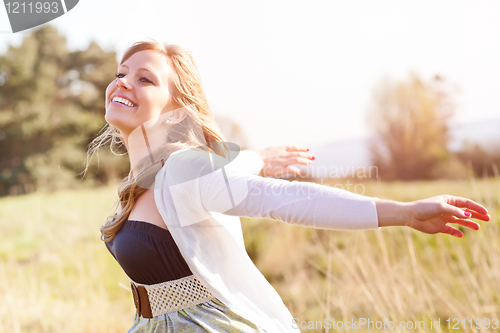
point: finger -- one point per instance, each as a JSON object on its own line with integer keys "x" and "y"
{"x": 447, "y": 229}
{"x": 298, "y": 160}
{"x": 466, "y": 223}
{"x": 301, "y": 154}
{"x": 454, "y": 211}
{"x": 482, "y": 217}
{"x": 296, "y": 148}
{"x": 467, "y": 203}
{"x": 292, "y": 170}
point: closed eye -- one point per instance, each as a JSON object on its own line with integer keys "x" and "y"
{"x": 143, "y": 79}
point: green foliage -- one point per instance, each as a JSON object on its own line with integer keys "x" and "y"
{"x": 51, "y": 106}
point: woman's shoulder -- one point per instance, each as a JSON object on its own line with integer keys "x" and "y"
{"x": 187, "y": 164}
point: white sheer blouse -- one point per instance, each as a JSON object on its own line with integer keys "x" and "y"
{"x": 200, "y": 196}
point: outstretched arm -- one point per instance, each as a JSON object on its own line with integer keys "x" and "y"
{"x": 226, "y": 191}
{"x": 432, "y": 215}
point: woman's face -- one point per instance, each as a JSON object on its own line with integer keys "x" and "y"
{"x": 141, "y": 91}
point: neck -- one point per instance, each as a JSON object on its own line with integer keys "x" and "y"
{"x": 141, "y": 143}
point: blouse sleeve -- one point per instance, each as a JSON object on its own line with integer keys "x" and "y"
{"x": 222, "y": 188}
{"x": 247, "y": 161}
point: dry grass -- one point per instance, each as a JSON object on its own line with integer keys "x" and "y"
{"x": 395, "y": 274}
{"x": 57, "y": 275}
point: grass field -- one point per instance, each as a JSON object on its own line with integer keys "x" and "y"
{"x": 57, "y": 276}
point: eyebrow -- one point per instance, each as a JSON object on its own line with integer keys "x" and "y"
{"x": 141, "y": 68}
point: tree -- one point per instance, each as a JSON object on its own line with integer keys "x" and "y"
{"x": 410, "y": 119}
{"x": 51, "y": 105}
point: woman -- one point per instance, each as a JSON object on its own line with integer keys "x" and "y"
{"x": 177, "y": 233}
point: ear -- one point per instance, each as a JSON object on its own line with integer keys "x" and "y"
{"x": 176, "y": 116}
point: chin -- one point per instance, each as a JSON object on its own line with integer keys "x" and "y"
{"x": 115, "y": 120}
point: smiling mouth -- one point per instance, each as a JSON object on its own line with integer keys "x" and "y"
{"x": 123, "y": 101}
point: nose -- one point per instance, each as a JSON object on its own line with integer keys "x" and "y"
{"x": 122, "y": 83}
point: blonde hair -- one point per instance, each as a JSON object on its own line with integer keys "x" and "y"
{"x": 188, "y": 93}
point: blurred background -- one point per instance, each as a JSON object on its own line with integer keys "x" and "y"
{"x": 395, "y": 100}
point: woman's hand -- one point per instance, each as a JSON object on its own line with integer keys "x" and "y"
{"x": 277, "y": 160}
{"x": 432, "y": 215}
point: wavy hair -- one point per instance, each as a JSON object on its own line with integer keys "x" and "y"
{"x": 188, "y": 93}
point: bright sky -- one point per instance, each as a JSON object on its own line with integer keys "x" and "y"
{"x": 303, "y": 72}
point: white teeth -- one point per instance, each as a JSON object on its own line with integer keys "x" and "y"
{"x": 123, "y": 101}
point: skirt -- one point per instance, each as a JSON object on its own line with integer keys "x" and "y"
{"x": 212, "y": 316}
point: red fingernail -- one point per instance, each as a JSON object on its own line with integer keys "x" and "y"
{"x": 313, "y": 158}
{"x": 468, "y": 214}
{"x": 307, "y": 149}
